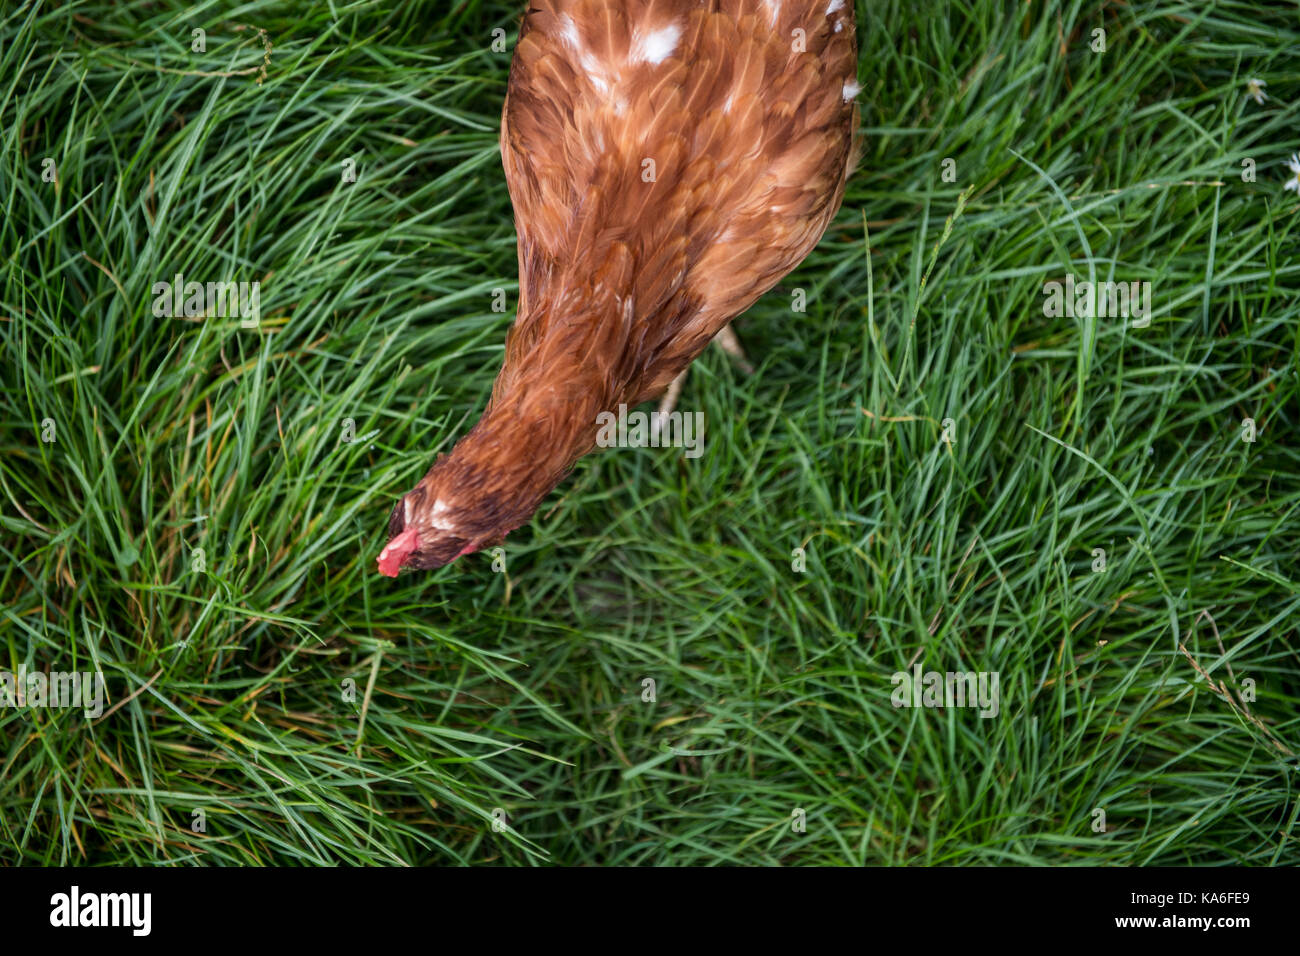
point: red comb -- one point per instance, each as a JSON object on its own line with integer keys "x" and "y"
{"x": 397, "y": 551}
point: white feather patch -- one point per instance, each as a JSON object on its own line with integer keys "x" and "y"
{"x": 655, "y": 46}
{"x": 569, "y": 30}
{"x": 438, "y": 517}
{"x": 596, "y": 71}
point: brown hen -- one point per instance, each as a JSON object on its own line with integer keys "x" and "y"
{"x": 669, "y": 161}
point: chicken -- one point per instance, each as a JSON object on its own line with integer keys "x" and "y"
{"x": 669, "y": 161}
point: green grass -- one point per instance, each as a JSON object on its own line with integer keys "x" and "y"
{"x": 521, "y": 692}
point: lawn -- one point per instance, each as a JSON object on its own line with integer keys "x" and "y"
{"x": 933, "y": 466}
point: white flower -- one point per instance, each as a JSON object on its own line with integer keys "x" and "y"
{"x": 1255, "y": 88}
{"x": 1293, "y": 164}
